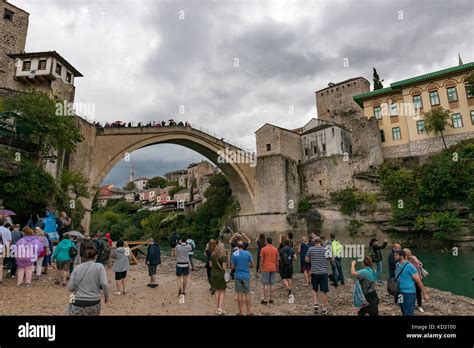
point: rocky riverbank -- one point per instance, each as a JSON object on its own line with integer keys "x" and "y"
{"x": 45, "y": 298}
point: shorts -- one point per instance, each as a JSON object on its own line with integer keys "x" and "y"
{"x": 151, "y": 270}
{"x": 305, "y": 267}
{"x": 63, "y": 265}
{"x": 286, "y": 271}
{"x": 83, "y": 311}
{"x": 182, "y": 271}
{"x": 320, "y": 280}
{"x": 268, "y": 278}
{"x": 123, "y": 275}
{"x": 242, "y": 286}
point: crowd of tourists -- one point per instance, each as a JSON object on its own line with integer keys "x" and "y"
{"x": 81, "y": 267}
{"x": 158, "y": 124}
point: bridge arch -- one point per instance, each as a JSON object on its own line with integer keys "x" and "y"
{"x": 113, "y": 144}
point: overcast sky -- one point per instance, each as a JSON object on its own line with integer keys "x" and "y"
{"x": 235, "y": 65}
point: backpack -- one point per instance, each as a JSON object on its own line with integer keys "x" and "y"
{"x": 72, "y": 252}
{"x": 100, "y": 248}
{"x": 392, "y": 283}
{"x": 286, "y": 258}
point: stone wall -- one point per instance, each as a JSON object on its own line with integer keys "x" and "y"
{"x": 425, "y": 146}
{"x": 282, "y": 142}
{"x": 12, "y": 40}
{"x": 277, "y": 184}
{"x": 335, "y": 103}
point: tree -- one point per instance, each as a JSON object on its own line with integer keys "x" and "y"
{"x": 129, "y": 186}
{"x": 37, "y": 114}
{"x": 436, "y": 121}
{"x": 156, "y": 182}
{"x": 470, "y": 84}
{"x": 72, "y": 187}
{"x": 377, "y": 82}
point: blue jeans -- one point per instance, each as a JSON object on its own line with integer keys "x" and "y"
{"x": 337, "y": 271}
{"x": 407, "y": 303}
{"x": 379, "y": 269}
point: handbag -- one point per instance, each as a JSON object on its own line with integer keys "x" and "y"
{"x": 72, "y": 298}
{"x": 226, "y": 273}
{"x": 392, "y": 283}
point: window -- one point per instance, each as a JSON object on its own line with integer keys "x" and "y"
{"x": 320, "y": 182}
{"x": 68, "y": 77}
{"x": 452, "y": 94}
{"x": 417, "y": 103}
{"x": 472, "y": 116}
{"x": 420, "y": 127}
{"x": 377, "y": 112}
{"x": 8, "y": 15}
{"x": 42, "y": 64}
{"x": 434, "y": 98}
{"x": 324, "y": 147}
{"x": 457, "y": 120}
{"x": 333, "y": 131}
{"x": 269, "y": 147}
{"x": 315, "y": 150}
{"x": 59, "y": 69}
{"x": 469, "y": 89}
{"x": 382, "y": 136}
{"x": 396, "y": 134}
{"x": 306, "y": 152}
{"x": 26, "y": 65}
{"x": 393, "y": 109}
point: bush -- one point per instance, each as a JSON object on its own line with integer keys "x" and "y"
{"x": 351, "y": 200}
{"x": 304, "y": 206}
{"x": 448, "y": 222}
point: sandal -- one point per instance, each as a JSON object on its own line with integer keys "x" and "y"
{"x": 57, "y": 282}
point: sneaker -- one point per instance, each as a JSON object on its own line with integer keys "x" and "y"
{"x": 270, "y": 301}
{"x": 149, "y": 285}
{"x": 263, "y": 302}
{"x": 316, "y": 307}
{"x": 28, "y": 285}
{"x": 117, "y": 293}
{"x": 325, "y": 311}
{"x": 124, "y": 291}
{"x": 421, "y": 309}
{"x": 153, "y": 286}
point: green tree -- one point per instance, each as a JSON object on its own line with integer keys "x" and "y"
{"x": 156, "y": 182}
{"x": 377, "y": 82}
{"x": 470, "y": 84}
{"x": 436, "y": 121}
{"x": 37, "y": 113}
{"x": 72, "y": 187}
{"x": 129, "y": 186}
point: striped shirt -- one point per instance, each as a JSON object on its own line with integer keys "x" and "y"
{"x": 319, "y": 259}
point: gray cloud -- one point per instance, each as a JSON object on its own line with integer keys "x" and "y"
{"x": 141, "y": 62}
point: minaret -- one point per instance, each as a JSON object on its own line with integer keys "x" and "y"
{"x": 132, "y": 173}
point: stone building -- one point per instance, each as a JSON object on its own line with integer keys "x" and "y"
{"x": 197, "y": 171}
{"x": 177, "y": 175}
{"x": 399, "y": 111}
{"x": 323, "y": 139}
{"x": 335, "y": 103}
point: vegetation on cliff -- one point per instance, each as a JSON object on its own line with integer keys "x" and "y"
{"x": 123, "y": 221}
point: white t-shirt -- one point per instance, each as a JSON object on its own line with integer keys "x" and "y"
{"x": 6, "y": 235}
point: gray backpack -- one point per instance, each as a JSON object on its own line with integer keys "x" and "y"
{"x": 393, "y": 285}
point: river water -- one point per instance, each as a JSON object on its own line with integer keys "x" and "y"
{"x": 447, "y": 272}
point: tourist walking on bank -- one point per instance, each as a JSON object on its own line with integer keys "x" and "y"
{"x": 269, "y": 263}
{"x": 376, "y": 256}
{"x": 367, "y": 278}
{"x": 182, "y": 265}
{"x": 86, "y": 282}
{"x": 62, "y": 255}
{"x": 419, "y": 267}
{"x": 64, "y": 224}
{"x": 17, "y": 234}
{"x": 407, "y": 276}
{"x": 174, "y": 241}
{"x": 121, "y": 266}
{"x": 305, "y": 267}
{"x": 5, "y": 241}
{"x": 392, "y": 262}
{"x": 210, "y": 247}
{"x": 218, "y": 270}
{"x": 153, "y": 259}
{"x": 336, "y": 263}
{"x": 319, "y": 256}
{"x": 191, "y": 242}
{"x": 27, "y": 250}
{"x": 260, "y": 244}
{"x": 241, "y": 262}
{"x": 287, "y": 256}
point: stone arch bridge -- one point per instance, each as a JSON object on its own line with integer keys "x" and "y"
{"x": 103, "y": 148}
